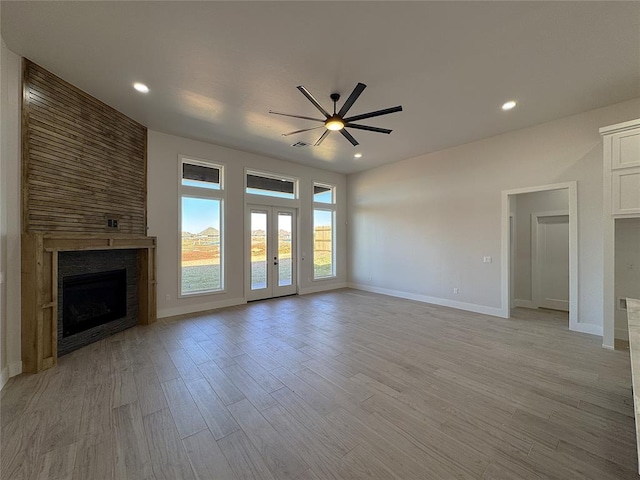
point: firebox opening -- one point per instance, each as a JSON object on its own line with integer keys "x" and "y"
{"x": 93, "y": 299}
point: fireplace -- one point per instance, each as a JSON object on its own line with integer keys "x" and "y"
{"x": 48, "y": 258}
{"x": 97, "y": 295}
{"x": 93, "y": 299}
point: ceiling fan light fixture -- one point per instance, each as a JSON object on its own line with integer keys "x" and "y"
{"x": 334, "y": 123}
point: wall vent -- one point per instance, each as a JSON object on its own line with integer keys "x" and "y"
{"x": 622, "y": 303}
{"x": 300, "y": 144}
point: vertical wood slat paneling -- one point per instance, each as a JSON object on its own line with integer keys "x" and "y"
{"x": 79, "y": 151}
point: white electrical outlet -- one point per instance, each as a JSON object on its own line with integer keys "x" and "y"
{"x": 456, "y": 291}
{"x": 487, "y": 260}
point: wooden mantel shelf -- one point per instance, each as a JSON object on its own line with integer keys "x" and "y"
{"x": 40, "y": 287}
{"x": 62, "y": 242}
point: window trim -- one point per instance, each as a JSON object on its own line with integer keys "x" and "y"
{"x": 209, "y": 194}
{"x": 327, "y": 207}
{"x": 275, "y": 176}
{"x": 325, "y": 185}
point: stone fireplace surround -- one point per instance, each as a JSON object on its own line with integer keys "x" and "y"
{"x": 88, "y": 262}
{"x": 40, "y": 264}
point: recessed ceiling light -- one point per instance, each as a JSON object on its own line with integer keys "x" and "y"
{"x": 357, "y": 155}
{"x": 509, "y": 105}
{"x": 141, "y": 87}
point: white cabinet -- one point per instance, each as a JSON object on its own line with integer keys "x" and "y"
{"x": 625, "y": 191}
{"x": 622, "y": 167}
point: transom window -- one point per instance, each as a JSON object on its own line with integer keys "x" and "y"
{"x": 271, "y": 185}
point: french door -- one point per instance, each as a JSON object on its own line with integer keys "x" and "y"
{"x": 271, "y": 255}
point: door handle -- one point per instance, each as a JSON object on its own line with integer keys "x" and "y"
{"x": 275, "y": 260}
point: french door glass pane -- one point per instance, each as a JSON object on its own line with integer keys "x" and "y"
{"x": 322, "y": 243}
{"x": 200, "y": 252}
{"x": 285, "y": 276}
{"x": 258, "y": 250}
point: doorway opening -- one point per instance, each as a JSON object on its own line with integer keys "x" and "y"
{"x": 540, "y": 250}
{"x": 271, "y": 259}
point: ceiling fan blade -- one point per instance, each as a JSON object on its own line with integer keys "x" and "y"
{"x": 296, "y": 116}
{"x": 367, "y": 127}
{"x": 311, "y": 98}
{"x": 300, "y": 131}
{"x": 351, "y": 100}
{"x": 377, "y": 113}
{"x": 348, "y": 136}
{"x": 322, "y": 137}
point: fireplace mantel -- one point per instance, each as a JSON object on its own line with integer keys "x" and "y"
{"x": 40, "y": 287}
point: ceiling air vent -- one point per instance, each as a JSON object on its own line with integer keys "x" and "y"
{"x": 300, "y": 144}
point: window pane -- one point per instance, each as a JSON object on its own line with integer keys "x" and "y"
{"x": 322, "y": 194}
{"x": 258, "y": 250}
{"x": 285, "y": 275}
{"x": 323, "y": 244}
{"x": 272, "y": 187}
{"x": 201, "y": 262}
{"x": 200, "y": 176}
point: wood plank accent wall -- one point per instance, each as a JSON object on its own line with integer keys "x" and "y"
{"x": 83, "y": 161}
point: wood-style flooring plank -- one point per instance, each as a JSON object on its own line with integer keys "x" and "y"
{"x": 183, "y": 409}
{"x": 132, "y": 460}
{"x": 282, "y": 461}
{"x": 243, "y": 457}
{"x": 207, "y": 460}
{"x": 334, "y": 385}
{"x": 169, "y": 459}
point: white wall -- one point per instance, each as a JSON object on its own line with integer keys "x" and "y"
{"x": 10, "y": 179}
{"x": 420, "y": 227}
{"x": 163, "y": 151}
{"x": 526, "y": 204}
{"x": 627, "y": 269}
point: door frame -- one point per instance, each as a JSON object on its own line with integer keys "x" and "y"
{"x": 535, "y": 260}
{"x": 247, "y": 243}
{"x": 572, "y": 187}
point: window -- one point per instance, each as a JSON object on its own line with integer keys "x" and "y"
{"x": 271, "y": 185}
{"x": 322, "y": 193}
{"x": 201, "y": 218}
{"x": 324, "y": 214}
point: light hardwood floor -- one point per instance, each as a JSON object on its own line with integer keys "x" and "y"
{"x": 338, "y": 385}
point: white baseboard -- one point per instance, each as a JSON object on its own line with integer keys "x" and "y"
{"x": 587, "y": 328}
{"x": 11, "y": 370}
{"x": 200, "y": 307}
{"x": 621, "y": 334}
{"x": 518, "y": 302}
{"x": 469, "y": 307}
{"x": 4, "y": 377}
{"x": 15, "y": 368}
{"x": 322, "y": 287}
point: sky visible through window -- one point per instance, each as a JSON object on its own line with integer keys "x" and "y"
{"x": 198, "y": 214}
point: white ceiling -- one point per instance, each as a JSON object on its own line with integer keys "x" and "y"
{"x": 215, "y": 69}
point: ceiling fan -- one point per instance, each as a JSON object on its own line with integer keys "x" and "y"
{"x": 338, "y": 121}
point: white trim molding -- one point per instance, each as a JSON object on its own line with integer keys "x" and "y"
{"x": 573, "y": 252}
{"x": 443, "y": 302}
{"x": 200, "y": 307}
{"x": 518, "y": 302}
{"x": 4, "y": 377}
{"x": 11, "y": 370}
{"x": 323, "y": 287}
